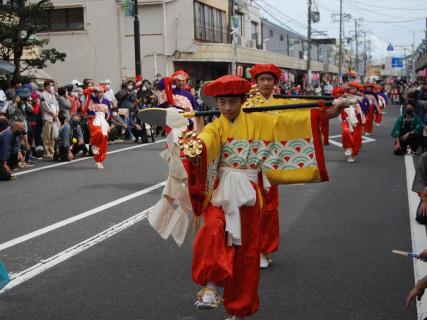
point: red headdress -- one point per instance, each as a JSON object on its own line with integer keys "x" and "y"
{"x": 266, "y": 68}
{"x": 228, "y": 86}
{"x": 356, "y": 85}
{"x": 180, "y": 75}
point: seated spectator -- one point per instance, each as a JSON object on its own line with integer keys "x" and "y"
{"x": 62, "y": 144}
{"x": 10, "y": 154}
{"x": 77, "y": 137}
{"x": 407, "y": 130}
{"x": 117, "y": 128}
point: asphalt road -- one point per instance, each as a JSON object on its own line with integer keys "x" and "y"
{"x": 335, "y": 259}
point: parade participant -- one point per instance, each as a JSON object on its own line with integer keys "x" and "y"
{"x": 266, "y": 76}
{"x": 99, "y": 111}
{"x": 353, "y": 119}
{"x": 382, "y": 103}
{"x": 174, "y": 93}
{"x": 373, "y": 108}
{"x": 225, "y": 167}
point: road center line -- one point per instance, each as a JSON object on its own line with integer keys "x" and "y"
{"x": 86, "y": 158}
{"x": 21, "y": 277}
{"x": 418, "y": 233}
{"x": 78, "y": 217}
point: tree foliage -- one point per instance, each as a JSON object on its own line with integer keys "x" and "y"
{"x": 18, "y": 41}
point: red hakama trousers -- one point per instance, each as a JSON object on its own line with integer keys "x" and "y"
{"x": 369, "y": 124}
{"x": 379, "y": 116}
{"x": 270, "y": 229}
{"x": 98, "y": 139}
{"x": 324, "y": 129}
{"x": 236, "y": 268}
{"x": 353, "y": 139}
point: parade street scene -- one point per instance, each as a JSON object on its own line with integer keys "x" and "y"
{"x": 200, "y": 159}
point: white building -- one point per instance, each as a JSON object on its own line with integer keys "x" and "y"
{"x": 189, "y": 34}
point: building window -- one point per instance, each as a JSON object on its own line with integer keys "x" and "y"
{"x": 209, "y": 23}
{"x": 271, "y": 33}
{"x": 64, "y": 19}
{"x": 281, "y": 37}
{"x": 254, "y": 33}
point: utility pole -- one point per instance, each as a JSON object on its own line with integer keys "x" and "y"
{"x": 234, "y": 42}
{"x": 357, "y": 45}
{"x": 309, "y": 44}
{"x": 364, "y": 55}
{"x": 413, "y": 57}
{"x": 137, "y": 41}
{"x": 340, "y": 48}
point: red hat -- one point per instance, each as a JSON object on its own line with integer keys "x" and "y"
{"x": 180, "y": 75}
{"x": 378, "y": 87}
{"x": 265, "y": 68}
{"x": 369, "y": 84}
{"x": 228, "y": 86}
{"x": 338, "y": 92}
{"x": 138, "y": 81}
{"x": 356, "y": 85}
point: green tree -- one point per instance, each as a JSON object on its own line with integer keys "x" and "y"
{"x": 18, "y": 41}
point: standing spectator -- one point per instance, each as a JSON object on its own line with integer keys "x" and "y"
{"x": 63, "y": 103}
{"x": 407, "y": 130}
{"x": 423, "y": 93}
{"x": 50, "y": 110}
{"x": 14, "y": 84}
{"x": 317, "y": 90}
{"x": 9, "y": 149}
{"x": 73, "y": 98}
{"x": 2, "y": 99}
{"x": 126, "y": 97}
{"x": 328, "y": 89}
{"x": 109, "y": 93}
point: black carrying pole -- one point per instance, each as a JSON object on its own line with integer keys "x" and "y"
{"x": 268, "y": 108}
{"x": 286, "y": 96}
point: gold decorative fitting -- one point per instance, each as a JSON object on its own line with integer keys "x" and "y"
{"x": 189, "y": 144}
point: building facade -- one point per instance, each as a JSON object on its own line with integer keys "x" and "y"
{"x": 191, "y": 34}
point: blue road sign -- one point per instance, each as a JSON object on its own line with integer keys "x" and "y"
{"x": 396, "y": 62}
{"x": 390, "y": 47}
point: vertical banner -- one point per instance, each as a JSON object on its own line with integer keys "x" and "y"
{"x": 128, "y": 8}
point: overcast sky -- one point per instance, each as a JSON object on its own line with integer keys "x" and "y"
{"x": 387, "y": 21}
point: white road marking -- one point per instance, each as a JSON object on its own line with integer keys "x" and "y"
{"x": 86, "y": 158}
{"x": 78, "y": 217}
{"x": 365, "y": 139}
{"x": 21, "y": 277}
{"x": 418, "y": 233}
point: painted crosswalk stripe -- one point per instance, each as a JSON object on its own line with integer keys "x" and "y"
{"x": 44, "y": 265}
{"x": 80, "y": 216}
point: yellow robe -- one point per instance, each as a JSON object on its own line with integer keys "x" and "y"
{"x": 286, "y": 146}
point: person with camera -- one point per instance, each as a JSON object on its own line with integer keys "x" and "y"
{"x": 10, "y": 153}
{"x": 77, "y": 137}
{"x": 19, "y": 111}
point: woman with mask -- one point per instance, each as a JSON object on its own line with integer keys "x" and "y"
{"x": 407, "y": 131}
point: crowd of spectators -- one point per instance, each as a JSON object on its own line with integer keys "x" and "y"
{"x": 47, "y": 121}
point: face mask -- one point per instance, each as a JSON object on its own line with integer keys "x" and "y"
{"x": 130, "y": 87}
{"x": 115, "y": 114}
{"x": 107, "y": 86}
{"x": 144, "y": 88}
{"x": 174, "y": 86}
{"x": 19, "y": 133}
